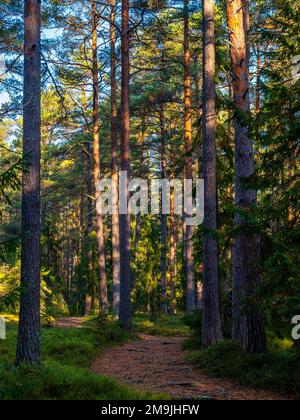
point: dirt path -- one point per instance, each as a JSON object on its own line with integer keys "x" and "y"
{"x": 157, "y": 364}
{"x": 75, "y": 322}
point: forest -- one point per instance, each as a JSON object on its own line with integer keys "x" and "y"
{"x": 149, "y": 199}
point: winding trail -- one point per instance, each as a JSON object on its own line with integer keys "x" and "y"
{"x": 158, "y": 364}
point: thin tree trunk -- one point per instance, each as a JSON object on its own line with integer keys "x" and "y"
{"x": 103, "y": 299}
{"x": 125, "y": 246}
{"x": 248, "y": 322}
{"x": 173, "y": 247}
{"x": 89, "y": 230}
{"x": 164, "y": 220}
{"x": 28, "y": 347}
{"x": 258, "y": 75}
{"x": 114, "y": 165}
{"x": 211, "y": 328}
{"x": 190, "y": 269}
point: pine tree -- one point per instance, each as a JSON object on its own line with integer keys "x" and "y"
{"x": 248, "y": 322}
{"x": 211, "y": 329}
{"x": 28, "y": 347}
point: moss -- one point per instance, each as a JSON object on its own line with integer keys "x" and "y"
{"x": 275, "y": 370}
{"x": 64, "y": 373}
{"x": 164, "y": 326}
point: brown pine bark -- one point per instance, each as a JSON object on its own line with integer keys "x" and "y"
{"x": 28, "y": 347}
{"x": 125, "y": 245}
{"x": 114, "y": 164}
{"x": 190, "y": 275}
{"x": 248, "y": 322}
{"x": 89, "y": 230}
{"x": 164, "y": 220}
{"x": 173, "y": 247}
{"x": 211, "y": 328}
{"x": 103, "y": 298}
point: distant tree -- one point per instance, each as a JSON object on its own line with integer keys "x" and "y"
{"x": 189, "y": 249}
{"x": 115, "y": 230}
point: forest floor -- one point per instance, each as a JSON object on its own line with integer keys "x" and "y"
{"x": 158, "y": 364}
{"x": 84, "y": 359}
{"x": 75, "y": 322}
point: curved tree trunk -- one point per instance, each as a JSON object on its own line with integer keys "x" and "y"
{"x": 211, "y": 301}
{"x": 28, "y": 347}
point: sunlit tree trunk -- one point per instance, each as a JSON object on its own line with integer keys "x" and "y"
{"x": 248, "y": 322}
{"x": 211, "y": 329}
{"x": 28, "y": 346}
{"x": 115, "y": 230}
{"x": 125, "y": 246}
{"x": 190, "y": 275}
{"x": 97, "y": 167}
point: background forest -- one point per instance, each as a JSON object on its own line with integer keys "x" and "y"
{"x": 172, "y": 269}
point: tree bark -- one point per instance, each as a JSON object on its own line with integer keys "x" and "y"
{"x": 248, "y": 322}
{"x": 211, "y": 328}
{"x": 173, "y": 247}
{"x": 89, "y": 229}
{"x": 190, "y": 269}
{"x": 28, "y": 347}
{"x": 164, "y": 220}
{"x": 114, "y": 164}
{"x": 125, "y": 245}
{"x": 103, "y": 299}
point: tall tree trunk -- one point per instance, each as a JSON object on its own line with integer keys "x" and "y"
{"x": 125, "y": 246}
{"x": 248, "y": 322}
{"x": 173, "y": 247}
{"x": 190, "y": 275}
{"x": 211, "y": 328}
{"x": 164, "y": 220}
{"x": 28, "y": 347}
{"x": 89, "y": 229}
{"x": 114, "y": 164}
{"x": 103, "y": 299}
{"x": 258, "y": 75}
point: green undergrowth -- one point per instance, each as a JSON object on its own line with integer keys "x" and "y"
{"x": 163, "y": 326}
{"x": 277, "y": 370}
{"x": 64, "y": 373}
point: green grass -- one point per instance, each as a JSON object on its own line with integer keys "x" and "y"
{"x": 64, "y": 373}
{"x": 164, "y": 326}
{"x": 276, "y": 370}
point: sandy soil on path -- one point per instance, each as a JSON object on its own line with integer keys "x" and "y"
{"x": 157, "y": 364}
{"x": 75, "y": 322}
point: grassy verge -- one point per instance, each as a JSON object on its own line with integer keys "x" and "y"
{"x": 164, "y": 326}
{"x": 64, "y": 373}
{"x": 277, "y": 370}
